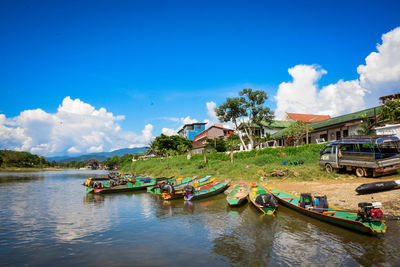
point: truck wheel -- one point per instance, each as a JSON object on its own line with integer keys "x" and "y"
{"x": 360, "y": 172}
{"x": 328, "y": 168}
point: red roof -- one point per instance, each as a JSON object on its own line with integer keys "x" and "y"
{"x": 309, "y": 118}
{"x": 205, "y": 132}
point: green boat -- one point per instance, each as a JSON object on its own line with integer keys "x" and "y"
{"x": 175, "y": 182}
{"x": 207, "y": 190}
{"x": 177, "y": 192}
{"x": 262, "y": 199}
{"x": 128, "y": 187}
{"x": 238, "y": 195}
{"x": 362, "y": 220}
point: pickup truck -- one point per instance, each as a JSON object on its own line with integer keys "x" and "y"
{"x": 366, "y": 155}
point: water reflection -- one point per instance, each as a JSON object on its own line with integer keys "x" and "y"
{"x": 93, "y": 199}
{"x": 52, "y": 221}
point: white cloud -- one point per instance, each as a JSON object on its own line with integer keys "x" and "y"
{"x": 168, "y": 131}
{"x": 76, "y": 127}
{"x": 379, "y": 76}
{"x": 188, "y": 120}
{"x": 381, "y": 73}
{"x": 211, "y": 111}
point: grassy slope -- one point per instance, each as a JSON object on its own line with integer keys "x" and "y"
{"x": 247, "y": 166}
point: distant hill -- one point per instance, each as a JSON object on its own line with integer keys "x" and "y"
{"x": 99, "y": 156}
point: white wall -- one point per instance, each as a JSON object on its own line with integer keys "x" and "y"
{"x": 393, "y": 129}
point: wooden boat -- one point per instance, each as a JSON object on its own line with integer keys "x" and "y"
{"x": 178, "y": 191}
{"x": 262, "y": 199}
{"x": 174, "y": 181}
{"x": 91, "y": 180}
{"x": 108, "y": 188}
{"x": 354, "y": 220}
{"x": 238, "y": 195}
{"x": 207, "y": 190}
{"x": 377, "y": 187}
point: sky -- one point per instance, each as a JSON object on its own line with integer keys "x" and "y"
{"x": 89, "y": 76}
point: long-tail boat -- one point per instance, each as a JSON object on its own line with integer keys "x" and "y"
{"x": 207, "y": 190}
{"x": 110, "y": 187}
{"x": 367, "y": 219}
{"x": 174, "y": 181}
{"x": 262, "y": 199}
{"x": 238, "y": 195}
{"x": 176, "y": 192}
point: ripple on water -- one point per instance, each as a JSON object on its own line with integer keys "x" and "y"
{"x": 50, "y": 220}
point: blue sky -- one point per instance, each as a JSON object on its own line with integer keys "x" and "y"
{"x": 149, "y": 60}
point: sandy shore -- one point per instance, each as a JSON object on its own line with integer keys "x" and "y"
{"x": 341, "y": 192}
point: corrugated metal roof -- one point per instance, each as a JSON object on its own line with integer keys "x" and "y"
{"x": 345, "y": 118}
{"x": 335, "y": 121}
{"x": 277, "y": 124}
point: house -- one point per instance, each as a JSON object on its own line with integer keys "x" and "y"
{"x": 394, "y": 127}
{"x": 216, "y": 131}
{"x": 334, "y": 128}
{"x": 189, "y": 131}
{"x": 92, "y": 164}
{"x": 264, "y": 128}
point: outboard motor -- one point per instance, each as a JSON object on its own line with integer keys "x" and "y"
{"x": 367, "y": 211}
{"x": 169, "y": 188}
{"x": 189, "y": 189}
{"x": 160, "y": 184}
{"x": 321, "y": 203}
{"x": 266, "y": 201}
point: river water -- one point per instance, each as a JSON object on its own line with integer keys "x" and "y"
{"x": 47, "y": 219}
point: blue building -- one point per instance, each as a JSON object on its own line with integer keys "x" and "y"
{"x": 189, "y": 131}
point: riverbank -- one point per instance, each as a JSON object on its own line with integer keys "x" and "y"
{"x": 341, "y": 191}
{"x": 279, "y": 168}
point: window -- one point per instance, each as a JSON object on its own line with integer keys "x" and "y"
{"x": 345, "y": 133}
{"x": 347, "y": 148}
{"x": 337, "y": 135}
{"x": 198, "y": 127}
{"x": 327, "y": 150}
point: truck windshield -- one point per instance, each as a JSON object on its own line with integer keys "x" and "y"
{"x": 326, "y": 150}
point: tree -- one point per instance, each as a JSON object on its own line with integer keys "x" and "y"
{"x": 232, "y": 110}
{"x": 247, "y": 110}
{"x": 391, "y": 110}
{"x": 216, "y": 144}
{"x": 163, "y": 145}
{"x": 296, "y": 132}
{"x": 232, "y": 143}
{"x": 255, "y": 110}
{"x": 366, "y": 126}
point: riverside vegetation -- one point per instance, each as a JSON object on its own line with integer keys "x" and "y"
{"x": 261, "y": 164}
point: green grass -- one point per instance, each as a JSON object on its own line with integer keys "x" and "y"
{"x": 249, "y": 166}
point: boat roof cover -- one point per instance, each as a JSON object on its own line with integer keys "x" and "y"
{"x": 367, "y": 140}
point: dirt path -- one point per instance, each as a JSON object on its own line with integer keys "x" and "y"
{"x": 341, "y": 192}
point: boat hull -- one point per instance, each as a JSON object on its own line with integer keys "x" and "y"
{"x": 252, "y": 199}
{"x": 238, "y": 195}
{"x": 377, "y": 187}
{"x": 340, "y": 217}
{"x": 216, "y": 189}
